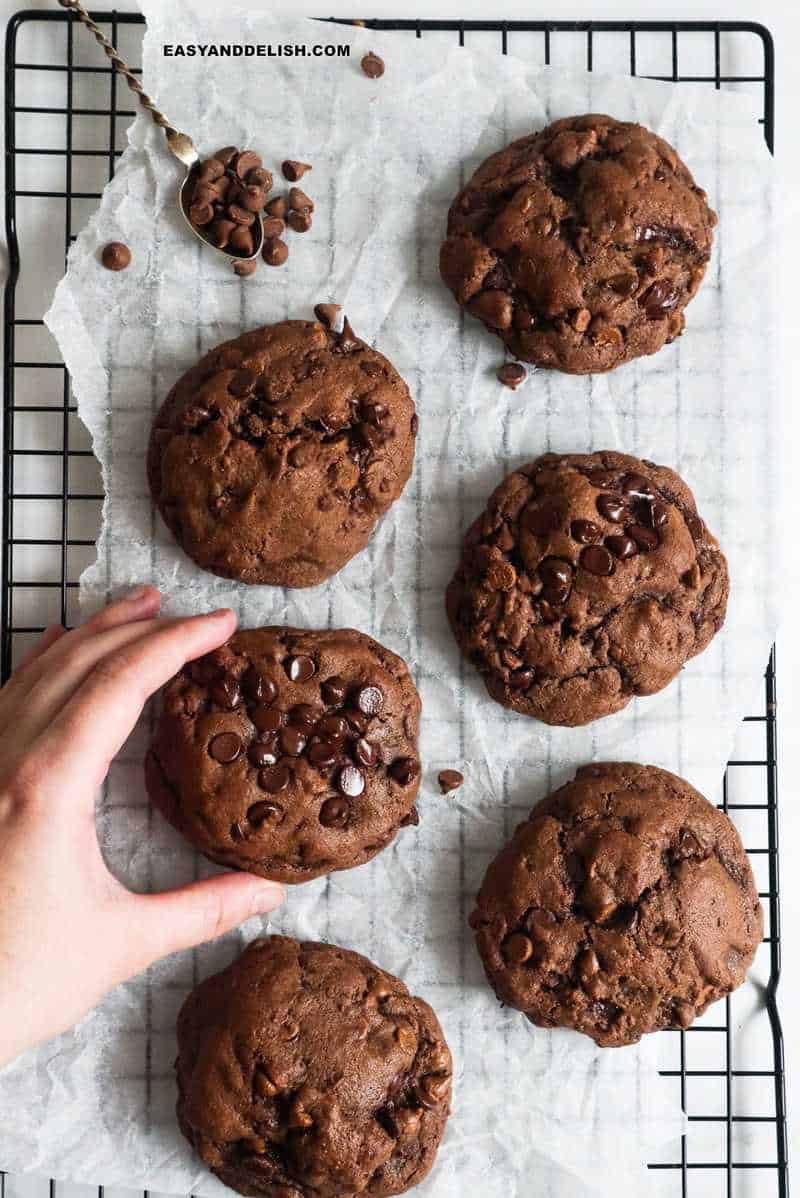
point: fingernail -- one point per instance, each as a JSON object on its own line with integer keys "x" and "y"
{"x": 267, "y": 897}
{"x": 222, "y": 611}
{"x": 136, "y": 593}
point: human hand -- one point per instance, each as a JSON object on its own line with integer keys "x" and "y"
{"x": 69, "y": 931}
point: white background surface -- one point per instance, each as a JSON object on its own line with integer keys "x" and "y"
{"x": 783, "y": 18}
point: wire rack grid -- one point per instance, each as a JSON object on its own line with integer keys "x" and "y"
{"x": 66, "y": 111}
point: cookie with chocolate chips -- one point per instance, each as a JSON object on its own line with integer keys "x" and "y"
{"x": 580, "y": 246}
{"x": 273, "y": 458}
{"x": 623, "y": 905}
{"x": 305, "y": 1070}
{"x": 589, "y": 578}
{"x": 289, "y": 753}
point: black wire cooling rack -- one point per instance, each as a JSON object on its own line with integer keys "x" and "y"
{"x": 51, "y": 496}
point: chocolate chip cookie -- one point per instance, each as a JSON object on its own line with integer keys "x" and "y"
{"x": 272, "y": 459}
{"x": 590, "y": 578}
{"x": 623, "y": 905}
{"x": 305, "y": 1071}
{"x": 581, "y": 245}
{"x": 289, "y": 753}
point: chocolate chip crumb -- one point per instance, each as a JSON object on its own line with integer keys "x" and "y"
{"x": 373, "y": 65}
{"x": 293, "y": 170}
{"x": 116, "y": 256}
{"x": 450, "y": 780}
{"x": 511, "y": 374}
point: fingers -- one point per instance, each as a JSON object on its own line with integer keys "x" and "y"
{"x": 83, "y": 737}
{"x": 48, "y": 638}
{"x": 194, "y": 914}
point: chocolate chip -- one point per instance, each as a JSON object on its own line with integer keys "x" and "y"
{"x": 623, "y": 284}
{"x": 511, "y": 374}
{"x": 301, "y": 222}
{"x": 261, "y": 753}
{"x": 299, "y": 201}
{"x": 404, "y": 770}
{"x": 597, "y": 560}
{"x": 518, "y": 948}
{"x": 520, "y": 680}
{"x": 260, "y": 177}
{"x": 225, "y": 747}
{"x": 659, "y": 299}
{"x": 275, "y": 778}
{"x": 637, "y": 486}
{"x": 116, "y": 256}
{"x": 220, "y": 232}
{"x": 246, "y": 268}
{"x": 556, "y": 576}
{"x": 292, "y": 741}
{"x": 334, "y": 813}
{"x": 301, "y": 668}
{"x": 225, "y": 692}
{"x": 304, "y": 717}
{"x": 226, "y": 154}
{"x": 350, "y": 781}
{"x": 542, "y": 520}
{"x": 414, "y": 424}
{"x": 334, "y": 690}
{"x": 293, "y": 170}
{"x": 368, "y": 700}
{"x": 267, "y": 718}
{"x": 365, "y": 753}
{"x": 645, "y": 538}
{"x": 238, "y": 831}
{"x": 612, "y": 507}
{"x": 621, "y": 546}
{"x": 373, "y": 65}
{"x": 322, "y": 754}
{"x": 585, "y": 532}
{"x": 244, "y": 162}
{"x": 241, "y": 216}
{"x": 273, "y": 227}
{"x": 258, "y": 687}
{"x": 327, "y": 314}
{"x": 347, "y": 340}
{"x": 333, "y": 727}
{"x": 659, "y": 514}
{"x": 201, "y": 213}
{"x": 277, "y": 208}
{"x": 265, "y": 813}
{"x": 450, "y": 780}
{"x": 241, "y": 240}
{"x": 275, "y": 252}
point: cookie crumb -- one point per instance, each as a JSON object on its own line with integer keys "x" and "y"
{"x": 116, "y": 256}
{"x": 373, "y": 65}
{"x": 450, "y": 780}
{"x": 511, "y": 374}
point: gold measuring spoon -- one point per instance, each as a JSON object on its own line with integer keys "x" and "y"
{"x": 179, "y": 144}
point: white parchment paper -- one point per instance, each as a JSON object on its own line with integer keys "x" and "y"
{"x": 534, "y": 1112}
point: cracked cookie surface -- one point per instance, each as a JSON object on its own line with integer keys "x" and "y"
{"x": 589, "y": 578}
{"x": 623, "y": 905}
{"x": 305, "y": 1071}
{"x": 289, "y": 753}
{"x": 580, "y": 246}
{"x": 272, "y": 459}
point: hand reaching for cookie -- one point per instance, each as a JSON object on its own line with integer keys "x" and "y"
{"x": 69, "y": 931}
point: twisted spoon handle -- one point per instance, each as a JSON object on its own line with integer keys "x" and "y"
{"x": 131, "y": 80}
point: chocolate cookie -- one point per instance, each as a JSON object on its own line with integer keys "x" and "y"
{"x": 273, "y": 458}
{"x": 624, "y": 904}
{"x": 589, "y": 578}
{"x": 581, "y": 245}
{"x": 304, "y": 1071}
{"x": 289, "y": 753}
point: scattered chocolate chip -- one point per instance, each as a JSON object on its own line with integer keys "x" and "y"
{"x": 637, "y": 486}
{"x": 646, "y": 538}
{"x": 246, "y": 268}
{"x": 659, "y": 299}
{"x": 225, "y": 692}
{"x": 261, "y": 753}
{"x": 373, "y": 65}
{"x": 520, "y": 680}
{"x": 366, "y": 753}
{"x": 335, "y": 812}
{"x": 244, "y": 162}
{"x": 556, "y": 576}
{"x": 292, "y": 741}
{"x": 404, "y": 770}
{"x": 612, "y": 507}
{"x": 450, "y": 780}
{"x": 267, "y": 718}
{"x": 333, "y": 727}
{"x": 275, "y": 778}
{"x": 334, "y": 690}
{"x": 299, "y": 221}
{"x": 225, "y": 747}
{"x": 293, "y": 170}
{"x": 258, "y": 687}
{"x": 621, "y": 546}
{"x": 659, "y": 514}
{"x": 275, "y": 252}
{"x": 322, "y": 754}
{"x": 265, "y": 813}
{"x": 623, "y": 284}
{"x": 116, "y": 256}
{"x": 350, "y": 781}
{"x": 585, "y": 532}
{"x": 301, "y": 668}
{"x": 304, "y": 717}
{"x": 368, "y": 700}
{"x": 299, "y": 201}
{"x": 597, "y": 560}
{"x": 518, "y": 948}
{"x": 277, "y": 208}
{"x": 273, "y": 227}
{"x": 511, "y": 374}
{"x": 327, "y": 314}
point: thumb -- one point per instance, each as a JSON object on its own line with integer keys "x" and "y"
{"x": 199, "y": 912}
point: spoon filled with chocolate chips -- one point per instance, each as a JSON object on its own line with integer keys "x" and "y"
{"x": 221, "y": 199}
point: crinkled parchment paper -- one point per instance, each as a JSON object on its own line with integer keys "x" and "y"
{"x": 534, "y": 1112}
